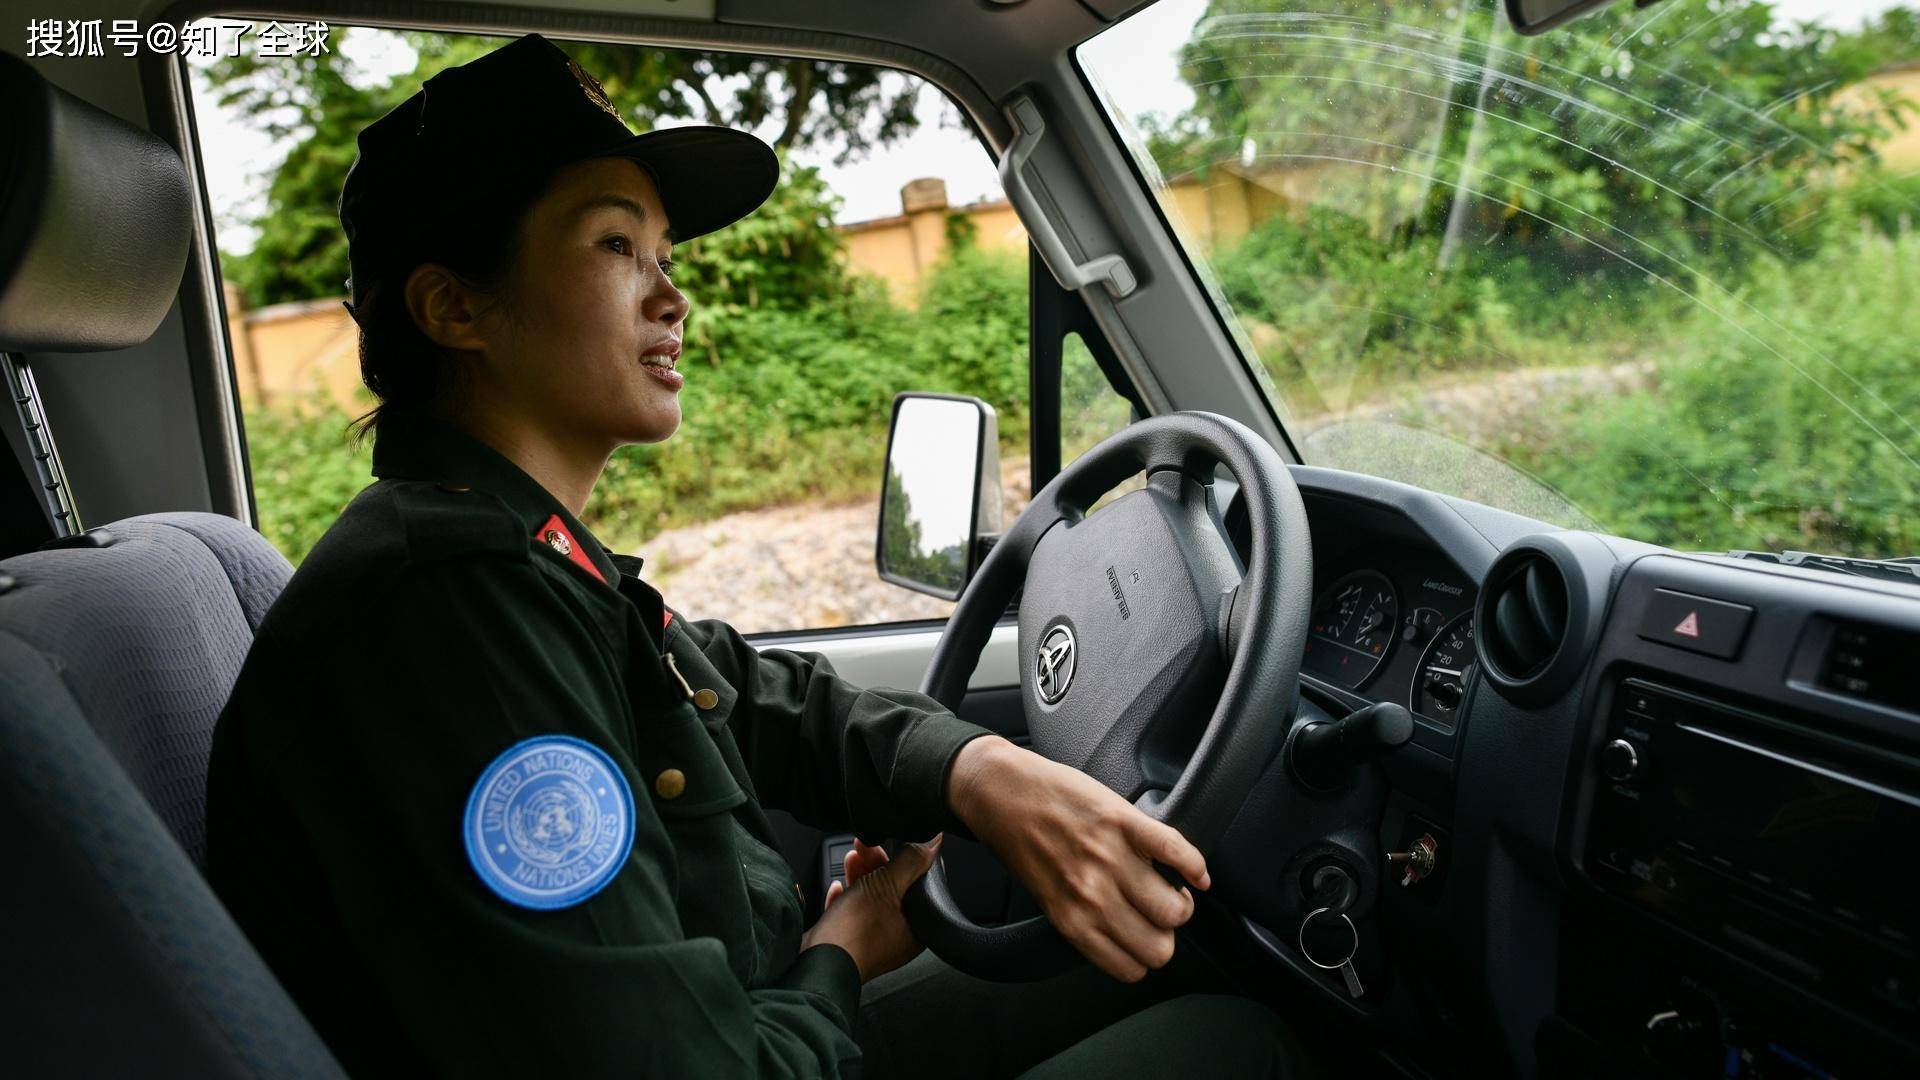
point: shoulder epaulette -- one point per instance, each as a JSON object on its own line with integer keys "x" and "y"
{"x": 442, "y": 521}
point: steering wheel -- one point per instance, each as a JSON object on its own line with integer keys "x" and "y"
{"x": 1148, "y": 660}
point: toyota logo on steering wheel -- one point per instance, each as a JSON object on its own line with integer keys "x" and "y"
{"x": 1056, "y": 664}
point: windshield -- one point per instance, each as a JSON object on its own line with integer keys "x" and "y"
{"x": 1652, "y": 273}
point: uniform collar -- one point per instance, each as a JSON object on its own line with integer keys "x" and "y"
{"x": 409, "y": 444}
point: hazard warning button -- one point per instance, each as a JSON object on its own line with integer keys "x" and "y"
{"x": 1703, "y": 625}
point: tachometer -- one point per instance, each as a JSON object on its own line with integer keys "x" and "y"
{"x": 1441, "y": 680}
{"x": 1352, "y": 629}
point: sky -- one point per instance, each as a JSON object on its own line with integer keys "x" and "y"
{"x": 939, "y": 482}
{"x": 240, "y": 158}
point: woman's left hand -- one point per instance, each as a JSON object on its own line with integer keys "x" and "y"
{"x": 1084, "y": 852}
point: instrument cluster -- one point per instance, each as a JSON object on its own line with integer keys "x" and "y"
{"x": 1395, "y": 624}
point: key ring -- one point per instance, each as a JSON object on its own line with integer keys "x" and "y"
{"x": 1351, "y": 929}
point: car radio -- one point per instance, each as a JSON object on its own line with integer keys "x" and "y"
{"x": 1790, "y": 848}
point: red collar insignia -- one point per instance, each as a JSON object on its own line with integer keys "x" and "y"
{"x": 554, "y": 534}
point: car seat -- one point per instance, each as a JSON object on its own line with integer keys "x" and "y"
{"x": 118, "y": 648}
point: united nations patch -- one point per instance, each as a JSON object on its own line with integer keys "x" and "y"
{"x": 549, "y": 823}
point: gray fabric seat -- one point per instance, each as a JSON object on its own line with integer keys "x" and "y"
{"x": 146, "y": 623}
{"x": 118, "y": 649}
{"x": 115, "y": 661}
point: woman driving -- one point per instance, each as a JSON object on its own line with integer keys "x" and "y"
{"x": 488, "y": 806}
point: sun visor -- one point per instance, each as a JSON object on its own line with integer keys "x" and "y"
{"x": 95, "y": 219}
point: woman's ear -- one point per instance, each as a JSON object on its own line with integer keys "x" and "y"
{"x": 445, "y": 308}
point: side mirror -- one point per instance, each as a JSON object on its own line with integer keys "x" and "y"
{"x": 941, "y": 493}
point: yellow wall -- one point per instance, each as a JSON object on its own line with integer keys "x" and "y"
{"x": 1901, "y": 152}
{"x": 901, "y": 250}
{"x": 288, "y": 351}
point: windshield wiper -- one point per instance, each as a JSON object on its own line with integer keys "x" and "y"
{"x": 1904, "y": 569}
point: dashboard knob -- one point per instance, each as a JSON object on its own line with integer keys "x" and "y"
{"x": 1619, "y": 761}
{"x": 1418, "y": 859}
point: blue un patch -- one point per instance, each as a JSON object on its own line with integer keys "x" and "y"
{"x": 549, "y": 823}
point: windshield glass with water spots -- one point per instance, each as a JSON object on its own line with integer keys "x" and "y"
{"x": 1653, "y": 273}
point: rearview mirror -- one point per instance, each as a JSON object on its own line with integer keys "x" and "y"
{"x": 1535, "y": 16}
{"x": 941, "y": 492}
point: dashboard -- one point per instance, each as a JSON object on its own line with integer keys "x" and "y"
{"x": 1664, "y": 801}
{"x": 1395, "y": 579}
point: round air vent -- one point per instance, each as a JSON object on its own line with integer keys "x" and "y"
{"x": 1526, "y": 618}
{"x": 1530, "y": 630}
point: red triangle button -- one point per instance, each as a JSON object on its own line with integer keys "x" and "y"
{"x": 1689, "y": 626}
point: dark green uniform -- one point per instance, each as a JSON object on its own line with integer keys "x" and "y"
{"x": 455, "y": 610}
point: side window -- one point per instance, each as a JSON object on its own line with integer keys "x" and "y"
{"x": 886, "y": 260}
{"x": 1090, "y": 410}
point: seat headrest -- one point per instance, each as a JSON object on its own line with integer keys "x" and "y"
{"x": 95, "y": 219}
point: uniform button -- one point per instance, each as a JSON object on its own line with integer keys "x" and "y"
{"x": 705, "y": 699}
{"x": 670, "y": 783}
{"x": 558, "y": 541}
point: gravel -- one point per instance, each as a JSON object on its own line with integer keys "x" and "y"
{"x": 801, "y": 566}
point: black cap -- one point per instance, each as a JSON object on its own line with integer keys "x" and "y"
{"x": 481, "y": 138}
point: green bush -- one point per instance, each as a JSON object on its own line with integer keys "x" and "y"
{"x": 969, "y": 335}
{"x": 1331, "y": 304}
{"x": 1888, "y": 202}
{"x": 305, "y": 471}
{"x": 1785, "y": 421}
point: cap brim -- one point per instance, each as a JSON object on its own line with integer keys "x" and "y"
{"x": 709, "y": 177}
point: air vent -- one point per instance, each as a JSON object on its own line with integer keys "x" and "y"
{"x": 1534, "y": 619}
{"x": 1527, "y": 617}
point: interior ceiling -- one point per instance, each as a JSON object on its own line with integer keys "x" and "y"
{"x": 999, "y": 46}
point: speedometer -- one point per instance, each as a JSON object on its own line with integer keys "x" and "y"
{"x": 1441, "y": 680}
{"x": 1352, "y": 628}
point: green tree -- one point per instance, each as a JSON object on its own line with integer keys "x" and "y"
{"x": 311, "y": 101}
{"x": 903, "y": 548}
{"x": 1889, "y": 39}
{"x": 320, "y": 104}
{"x": 1678, "y": 131}
{"x": 784, "y": 255}
{"x": 854, "y": 107}
{"x": 1736, "y": 450}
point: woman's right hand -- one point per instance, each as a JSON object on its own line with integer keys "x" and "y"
{"x": 865, "y": 918}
